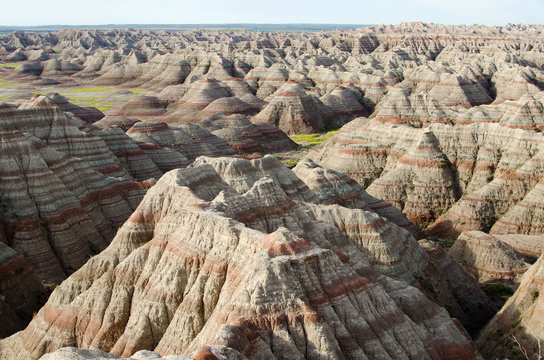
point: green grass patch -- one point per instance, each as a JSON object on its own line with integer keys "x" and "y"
{"x": 8, "y": 84}
{"x": 108, "y": 89}
{"x": 138, "y": 91}
{"x": 290, "y": 163}
{"x": 311, "y": 140}
{"x": 86, "y": 90}
{"x": 498, "y": 290}
{"x": 9, "y": 65}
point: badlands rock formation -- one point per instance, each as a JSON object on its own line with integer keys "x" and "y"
{"x": 67, "y": 186}
{"x": 233, "y": 258}
{"x": 240, "y": 254}
{"x": 71, "y": 353}
{"x": 21, "y": 293}
{"x": 64, "y": 193}
{"x": 520, "y": 318}
{"x": 500, "y": 257}
{"x": 411, "y": 73}
{"x": 479, "y": 176}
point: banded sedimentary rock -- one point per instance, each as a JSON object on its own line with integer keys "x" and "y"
{"x": 333, "y": 187}
{"x": 241, "y": 266}
{"x": 66, "y": 192}
{"x": 399, "y": 107}
{"x": 172, "y": 147}
{"x": 247, "y": 137}
{"x": 421, "y": 184}
{"x": 411, "y": 73}
{"x": 42, "y": 118}
{"x": 199, "y": 95}
{"x": 228, "y": 106}
{"x": 71, "y": 353}
{"x": 488, "y": 258}
{"x": 478, "y": 176}
{"x": 87, "y": 114}
{"x": 122, "y": 122}
{"x": 294, "y": 112}
{"x": 60, "y": 210}
{"x": 520, "y": 319}
{"x": 344, "y": 102}
{"x": 142, "y": 106}
{"x": 130, "y": 154}
{"x": 430, "y": 267}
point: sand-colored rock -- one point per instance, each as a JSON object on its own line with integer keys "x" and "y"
{"x": 247, "y": 137}
{"x": 171, "y": 147}
{"x": 521, "y": 317}
{"x": 72, "y": 353}
{"x": 122, "y": 122}
{"x": 421, "y": 184}
{"x": 240, "y": 266}
{"x": 488, "y": 258}
{"x": 142, "y": 106}
{"x": 87, "y": 114}
{"x": 65, "y": 191}
{"x": 294, "y": 111}
{"x": 478, "y": 176}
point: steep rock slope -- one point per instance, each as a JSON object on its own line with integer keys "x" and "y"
{"x": 64, "y": 192}
{"x": 521, "y": 317}
{"x": 489, "y": 258}
{"x": 71, "y": 353}
{"x": 247, "y": 137}
{"x": 59, "y": 210}
{"x": 21, "y": 293}
{"x": 465, "y": 177}
{"x": 412, "y": 73}
{"x": 216, "y": 257}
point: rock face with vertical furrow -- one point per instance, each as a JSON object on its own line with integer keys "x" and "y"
{"x": 454, "y": 178}
{"x": 294, "y": 112}
{"x": 64, "y": 191}
{"x": 522, "y": 316}
{"x": 59, "y": 210}
{"x": 214, "y": 256}
{"x": 488, "y": 258}
{"x": 247, "y": 137}
{"x": 421, "y": 184}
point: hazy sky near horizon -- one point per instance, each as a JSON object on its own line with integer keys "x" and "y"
{"x": 99, "y": 12}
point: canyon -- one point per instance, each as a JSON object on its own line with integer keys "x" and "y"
{"x": 164, "y": 193}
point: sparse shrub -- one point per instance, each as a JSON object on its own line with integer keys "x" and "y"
{"x": 498, "y": 290}
{"x": 291, "y": 163}
{"x": 449, "y": 243}
{"x": 311, "y": 140}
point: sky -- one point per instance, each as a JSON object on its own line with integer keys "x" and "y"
{"x": 100, "y": 12}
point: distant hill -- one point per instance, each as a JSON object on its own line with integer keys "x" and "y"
{"x": 186, "y": 27}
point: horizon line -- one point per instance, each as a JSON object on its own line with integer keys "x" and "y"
{"x": 263, "y": 23}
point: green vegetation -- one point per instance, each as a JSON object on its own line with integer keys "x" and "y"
{"x": 138, "y": 91}
{"x": 449, "y": 243}
{"x": 102, "y": 98}
{"x": 498, "y": 290}
{"x": 290, "y": 163}
{"x": 86, "y": 90}
{"x": 311, "y": 140}
{"x": 6, "y": 84}
{"x": 9, "y": 65}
